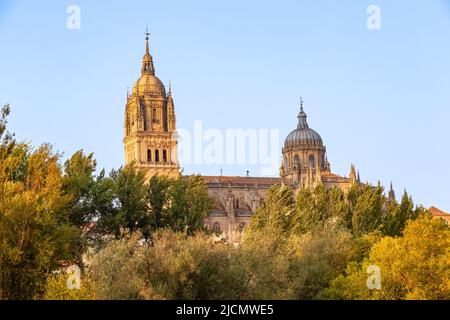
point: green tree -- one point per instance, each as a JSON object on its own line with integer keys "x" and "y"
{"x": 78, "y": 184}
{"x": 158, "y": 200}
{"x": 276, "y": 212}
{"x": 399, "y": 214}
{"x": 121, "y": 201}
{"x": 189, "y": 205}
{"x": 367, "y": 209}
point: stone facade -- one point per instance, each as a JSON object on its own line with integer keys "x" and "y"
{"x": 151, "y": 142}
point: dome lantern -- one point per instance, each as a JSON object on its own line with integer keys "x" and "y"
{"x": 303, "y": 136}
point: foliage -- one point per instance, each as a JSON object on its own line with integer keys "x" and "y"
{"x": 78, "y": 183}
{"x": 115, "y": 270}
{"x": 415, "y": 266}
{"x": 35, "y": 233}
{"x": 57, "y": 288}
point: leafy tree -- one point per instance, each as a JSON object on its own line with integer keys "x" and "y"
{"x": 123, "y": 205}
{"x": 57, "y": 289}
{"x": 115, "y": 271}
{"x": 188, "y": 206}
{"x": 415, "y": 266}
{"x": 158, "y": 200}
{"x": 78, "y": 183}
{"x": 319, "y": 257}
{"x": 399, "y": 214}
{"x": 276, "y": 211}
{"x": 35, "y": 233}
{"x": 263, "y": 265}
{"x": 188, "y": 267}
{"x": 367, "y": 209}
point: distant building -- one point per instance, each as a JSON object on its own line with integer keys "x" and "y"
{"x": 439, "y": 214}
{"x": 151, "y": 142}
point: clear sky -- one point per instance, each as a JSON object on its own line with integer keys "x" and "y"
{"x": 379, "y": 98}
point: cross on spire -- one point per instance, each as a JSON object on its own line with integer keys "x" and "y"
{"x": 301, "y": 104}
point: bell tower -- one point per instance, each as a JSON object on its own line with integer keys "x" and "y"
{"x": 151, "y": 140}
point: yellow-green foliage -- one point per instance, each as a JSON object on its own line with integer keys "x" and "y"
{"x": 57, "y": 288}
{"x": 415, "y": 266}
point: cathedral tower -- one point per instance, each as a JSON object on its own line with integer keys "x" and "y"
{"x": 304, "y": 155}
{"x": 151, "y": 140}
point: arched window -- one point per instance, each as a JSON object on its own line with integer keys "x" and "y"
{"x": 157, "y": 155}
{"x": 154, "y": 116}
{"x": 297, "y": 164}
{"x": 149, "y": 155}
{"x": 237, "y": 203}
{"x": 312, "y": 161}
{"x": 165, "y": 155}
{"x": 216, "y": 227}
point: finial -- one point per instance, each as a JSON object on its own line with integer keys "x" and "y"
{"x": 302, "y": 123}
{"x": 147, "y": 36}
{"x": 170, "y": 87}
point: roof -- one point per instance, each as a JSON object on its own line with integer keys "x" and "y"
{"x": 438, "y": 212}
{"x": 241, "y": 180}
{"x": 329, "y": 176}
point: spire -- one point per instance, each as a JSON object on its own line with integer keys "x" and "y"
{"x": 170, "y": 88}
{"x": 147, "y": 60}
{"x": 352, "y": 176}
{"x": 302, "y": 123}
{"x": 147, "y": 36}
{"x": 391, "y": 194}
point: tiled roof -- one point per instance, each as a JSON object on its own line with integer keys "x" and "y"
{"x": 241, "y": 180}
{"x": 331, "y": 176}
{"x": 438, "y": 212}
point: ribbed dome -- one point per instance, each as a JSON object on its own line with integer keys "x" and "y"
{"x": 303, "y": 136}
{"x": 149, "y": 83}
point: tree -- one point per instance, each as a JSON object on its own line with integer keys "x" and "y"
{"x": 415, "y": 266}
{"x": 4, "y": 112}
{"x": 35, "y": 234}
{"x": 78, "y": 184}
{"x": 399, "y": 214}
{"x": 318, "y": 258}
{"x": 276, "y": 212}
{"x": 158, "y": 200}
{"x": 367, "y": 208}
{"x": 188, "y": 206}
{"x": 123, "y": 205}
{"x": 115, "y": 270}
{"x": 57, "y": 289}
{"x": 188, "y": 267}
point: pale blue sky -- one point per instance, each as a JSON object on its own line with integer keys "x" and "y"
{"x": 379, "y": 99}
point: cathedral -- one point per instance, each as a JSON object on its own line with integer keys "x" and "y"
{"x": 151, "y": 142}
